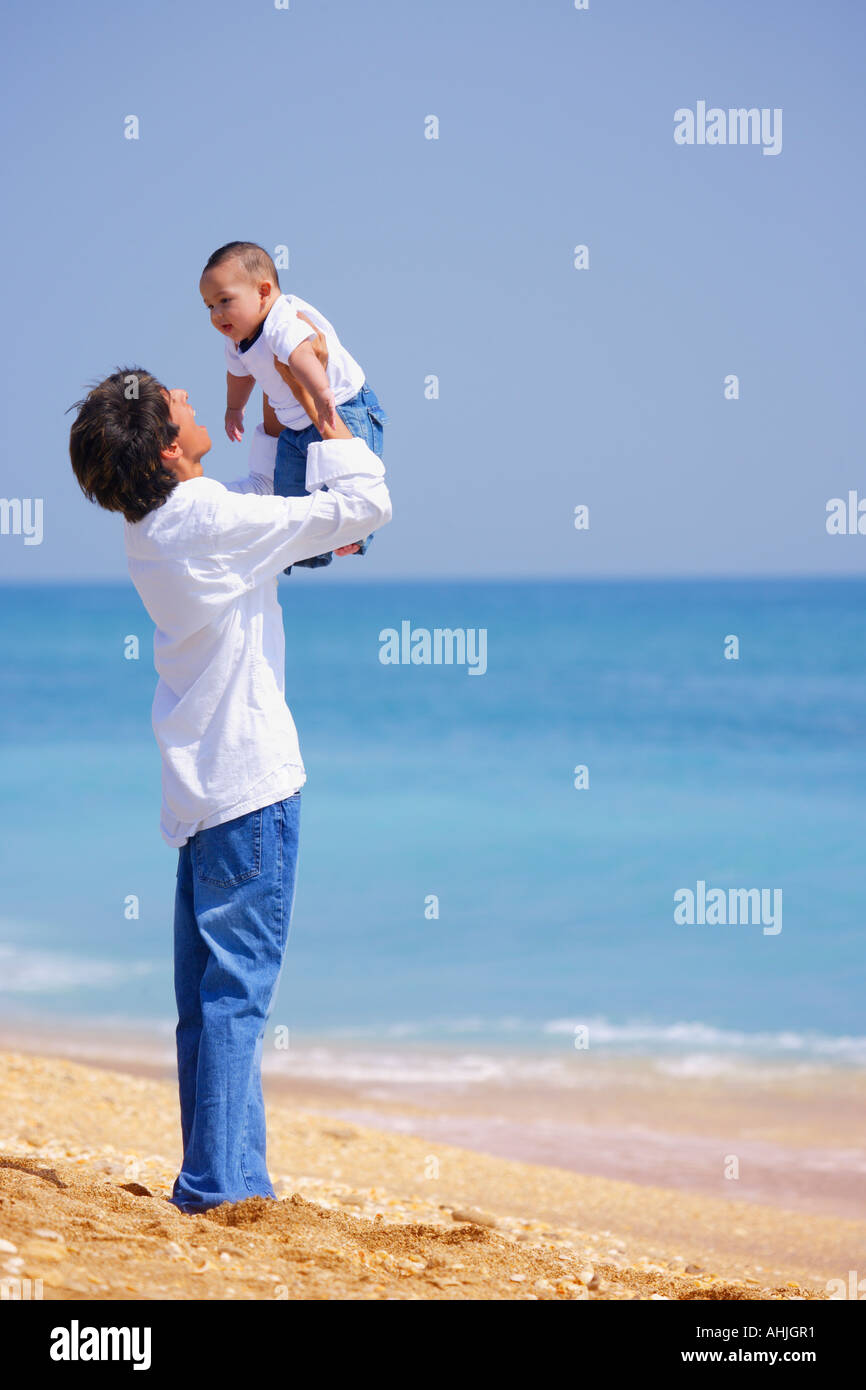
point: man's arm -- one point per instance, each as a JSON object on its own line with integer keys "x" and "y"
{"x": 269, "y": 418}
{"x": 254, "y": 537}
{"x": 262, "y": 453}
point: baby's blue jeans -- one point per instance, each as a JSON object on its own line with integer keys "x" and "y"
{"x": 233, "y": 909}
{"x": 364, "y": 416}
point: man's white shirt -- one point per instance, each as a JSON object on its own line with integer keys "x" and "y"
{"x": 206, "y": 565}
{"x": 281, "y": 333}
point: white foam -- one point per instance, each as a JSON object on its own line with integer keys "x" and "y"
{"x": 676, "y": 1035}
{"x": 24, "y": 971}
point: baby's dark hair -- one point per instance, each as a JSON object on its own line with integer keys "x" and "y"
{"x": 254, "y": 259}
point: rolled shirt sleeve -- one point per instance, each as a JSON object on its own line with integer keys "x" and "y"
{"x": 263, "y": 457}
{"x": 255, "y": 537}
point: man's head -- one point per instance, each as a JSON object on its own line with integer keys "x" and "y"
{"x": 238, "y": 285}
{"x": 133, "y": 441}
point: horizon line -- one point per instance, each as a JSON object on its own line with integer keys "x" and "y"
{"x": 11, "y": 581}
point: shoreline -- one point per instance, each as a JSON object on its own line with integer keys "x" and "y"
{"x": 795, "y": 1134}
{"x": 88, "y": 1156}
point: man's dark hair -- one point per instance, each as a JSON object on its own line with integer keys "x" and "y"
{"x": 115, "y": 443}
{"x": 254, "y": 259}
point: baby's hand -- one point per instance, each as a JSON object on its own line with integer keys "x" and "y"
{"x": 234, "y": 424}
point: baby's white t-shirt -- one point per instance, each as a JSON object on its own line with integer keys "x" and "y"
{"x": 281, "y": 332}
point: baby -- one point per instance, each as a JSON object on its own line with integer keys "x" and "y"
{"x": 241, "y": 288}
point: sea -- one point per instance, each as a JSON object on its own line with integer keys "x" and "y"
{"x": 491, "y": 860}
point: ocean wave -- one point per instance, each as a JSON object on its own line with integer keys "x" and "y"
{"x": 383, "y": 1066}
{"x": 606, "y": 1038}
{"x": 455, "y": 1053}
{"x": 644, "y": 1037}
{"x": 24, "y": 971}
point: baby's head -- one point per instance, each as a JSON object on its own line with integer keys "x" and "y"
{"x": 238, "y": 285}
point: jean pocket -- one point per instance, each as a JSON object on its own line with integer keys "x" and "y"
{"x": 376, "y": 419}
{"x": 373, "y": 406}
{"x": 231, "y": 853}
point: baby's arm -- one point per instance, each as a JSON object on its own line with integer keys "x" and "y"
{"x": 311, "y": 375}
{"x": 238, "y": 391}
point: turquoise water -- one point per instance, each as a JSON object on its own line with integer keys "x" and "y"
{"x": 556, "y": 905}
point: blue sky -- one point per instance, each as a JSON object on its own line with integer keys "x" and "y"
{"x": 453, "y": 257}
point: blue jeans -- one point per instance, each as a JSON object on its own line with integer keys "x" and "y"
{"x": 364, "y": 416}
{"x": 233, "y": 909}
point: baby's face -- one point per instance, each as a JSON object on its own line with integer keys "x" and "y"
{"x": 237, "y": 302}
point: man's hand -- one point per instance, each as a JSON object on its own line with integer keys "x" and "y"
{"x": 318, "y": 343}
{"x": 269, "y": 418}
{"x": 328, "y": 431}
{"x": 326, "y": 411}
{"x": 347, "y": 550}
{"x": 235, "y": 424}
{"x": 326, "y": 405}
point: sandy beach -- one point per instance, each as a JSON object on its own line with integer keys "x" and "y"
{"x": 88, "y": 1155}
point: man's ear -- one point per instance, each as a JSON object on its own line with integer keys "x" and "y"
{"x": 172, "y": 454}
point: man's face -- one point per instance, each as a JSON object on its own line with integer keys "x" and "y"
{"x": 191, "y": 442}
{"x": 235, "y": 300}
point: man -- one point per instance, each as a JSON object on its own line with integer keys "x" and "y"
{"x": 204, "y": 557}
